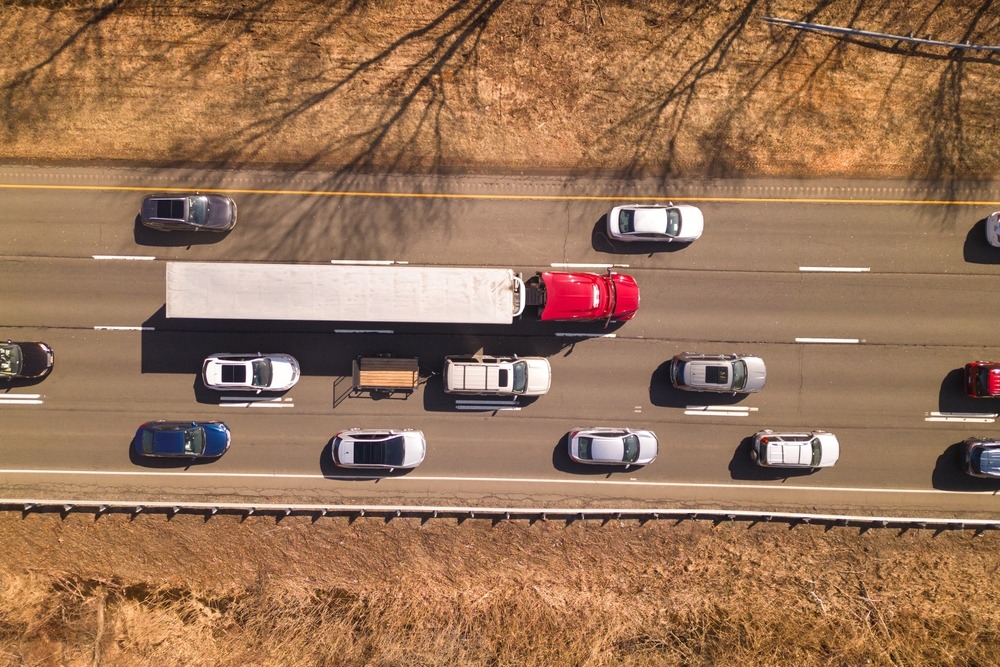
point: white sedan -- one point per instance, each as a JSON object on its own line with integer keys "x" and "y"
{"x": 613, "y": 446}
{"x": 379, "y": 448}
{"x": 250, "y": 372}
{"x": 653, "y": 222}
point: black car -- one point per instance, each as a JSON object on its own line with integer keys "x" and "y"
{"x": 192, "y": 212}
{"x": 25, "y": 360}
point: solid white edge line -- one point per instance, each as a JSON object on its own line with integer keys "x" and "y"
{"x": 828, "y": 340}
{"x": 30, "y": 401}
{"x": 109, "y": 328}
{"x": 505, "y": 480}
{"x": 727, "y": 408}
{"x": 125, "y": 257}
{"x": 570, "y": 265}
{"x": 717, "y": 413}
{"x": 364, "y": 331}
{"x": 836, "y": 269}
{"x": 367, "y": 262}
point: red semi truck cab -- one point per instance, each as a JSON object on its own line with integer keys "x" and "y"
{"x": 563, "y": 296}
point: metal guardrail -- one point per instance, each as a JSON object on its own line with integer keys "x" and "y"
{"x": 279, "y": 510}
{"x": 818, "y": 27}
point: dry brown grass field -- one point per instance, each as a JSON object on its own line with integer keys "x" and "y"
{"x": 667, "y": 88}
{"x": 660, "y": 87}
{"x": 188, "y": 591}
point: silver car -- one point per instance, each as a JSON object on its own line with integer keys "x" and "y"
{"x": 993, "y": 229}
{"x": 250, "y": 372}
{"x": 806, "y": 449}
{"x": 723, "y": 373}
{"x": 192, "y": 212}
{"x": 653, "y": 222}
{"x": 613, "y": 446}
{"x": 379, "y": 448}
{"x": 981, "y": 457}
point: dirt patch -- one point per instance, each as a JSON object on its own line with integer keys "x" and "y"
{"x": 189, "y": 591}
{"x": 698, "y": 89}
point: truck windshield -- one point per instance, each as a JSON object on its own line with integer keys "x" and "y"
{"x": 520, "y": 377}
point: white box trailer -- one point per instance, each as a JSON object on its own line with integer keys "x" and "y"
{"x": 347, "y": 293}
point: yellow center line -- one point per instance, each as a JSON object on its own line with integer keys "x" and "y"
{"x": 444, "y": 195}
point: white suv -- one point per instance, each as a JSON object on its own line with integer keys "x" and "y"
{"x": 502, "y": 376}
{"x": 250, "y": 372}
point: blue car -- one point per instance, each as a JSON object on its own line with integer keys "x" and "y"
{"x": 186, "y": 440}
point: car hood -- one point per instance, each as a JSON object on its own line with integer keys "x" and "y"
{"x": 284, "y": 372}
{"x": 572, "y": 296}
{"x": 756, "y": 374}
{"x": 217, "y": 439}
{"x": 539, "y": 376}
{"x": 221, "y": 212}
{"x": 692, "y": 222}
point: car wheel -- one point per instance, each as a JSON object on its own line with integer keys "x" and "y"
{"x": 753, "y": 454}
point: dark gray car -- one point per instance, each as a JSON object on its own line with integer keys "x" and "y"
{"x": 191, "y": 212}
{"x": 20, "y": 360}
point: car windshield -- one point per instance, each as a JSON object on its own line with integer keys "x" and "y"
{"x": 817, "y": 452}
{"x": 198, "y": 210}
{"x": 194, "y": 440}
{"x": 261, "y": 372}
{"x": 626, "y": 221}
{"x": 673, "y": 222}
{"x": 10, "y": 359}
{"x": 584, "y": 446}
{"x": 631, "y": 442}
{"x": 739, "y": 374}
{"x": 520, "y": 377}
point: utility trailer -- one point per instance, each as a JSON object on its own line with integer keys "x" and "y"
{"x": 385, "y": 375}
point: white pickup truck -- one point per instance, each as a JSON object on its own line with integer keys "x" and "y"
{"x": 498, "y": 376}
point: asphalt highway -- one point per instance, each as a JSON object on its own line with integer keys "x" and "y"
{"x": 864, "y": 299}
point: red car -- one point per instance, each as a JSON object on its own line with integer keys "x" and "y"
{"x": 584, "y": 296}
{"x": 982, "y": 379}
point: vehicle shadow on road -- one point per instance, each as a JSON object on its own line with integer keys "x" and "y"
{"x": 977, "y": 249}
{"x": 164, "y": 463}
{"x": 949, "y": 476}
{"x": 742, "y": 467}
{"x": 663, "y": 394}
{"x": 952, "y": 396}
{"x": 602, "y": 242}
{"x": 150, "y": 237}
